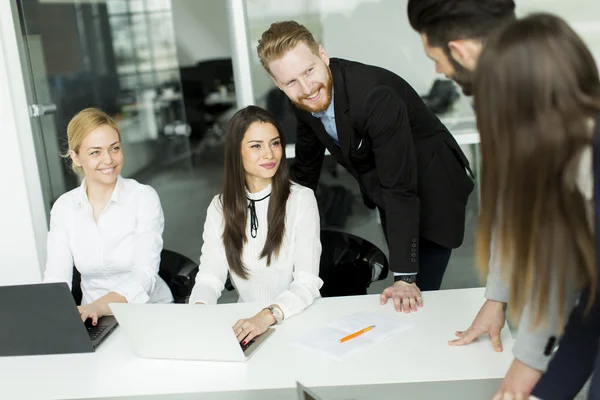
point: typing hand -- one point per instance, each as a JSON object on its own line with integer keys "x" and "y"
{"x": 248, "y": 329}
{"x": 92, "y": 311}
{"x": 490, "y": 319}
{"x": 406, "y": 296}
{"x": 518, "y": 382}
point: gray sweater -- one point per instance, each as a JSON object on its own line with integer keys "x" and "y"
{"x": 530, "y": 344}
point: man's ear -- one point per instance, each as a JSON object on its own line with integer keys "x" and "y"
{"x": 323, "y": 55}
{"x": 465, "y": 52}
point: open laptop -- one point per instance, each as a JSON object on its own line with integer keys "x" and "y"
{"x": 184, "y": 331}
{"x": 43, "y": 319}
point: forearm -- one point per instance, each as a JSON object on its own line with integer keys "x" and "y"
{"x": 402, "y": 228}
{"x": 496, "y": 288}
{"x": 534, "y": 345}
{"x": 137, "y": 285}
{"x": 267, "y": 316}
{"x": 302, "y": 293}
{"x": 104, "y": 301}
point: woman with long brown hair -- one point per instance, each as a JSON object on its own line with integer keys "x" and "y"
{"x": 262, "y": 228}
{"x": 537, "y": 97}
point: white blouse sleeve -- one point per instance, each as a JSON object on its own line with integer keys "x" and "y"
{"x": 306, "y": 283}
{"x": 137, "y": 285}
{"x": 212, "y": 272}
{"x": 59, "y": 262}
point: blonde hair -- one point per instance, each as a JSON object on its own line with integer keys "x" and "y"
{"x": 83, "y": 123}
{"x": 280, "y": 38}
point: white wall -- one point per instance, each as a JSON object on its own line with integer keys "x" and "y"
{"x": 376, "y": 32}
{"x": 582, "y": 15}
{"x": 201, "y": 30}
{"x": 22, "y": 216}
{"x": 370, "y": 31}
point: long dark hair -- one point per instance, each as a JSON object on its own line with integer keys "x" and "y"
{"x": 536, "y": 91}
{"x": 233, "y": 198}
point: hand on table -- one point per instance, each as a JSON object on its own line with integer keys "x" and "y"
{"x": 406, "y": 296}
{"x": 518, "y": 382}
{"x": 249, "y": 328}
{"x": 490, "y": 319}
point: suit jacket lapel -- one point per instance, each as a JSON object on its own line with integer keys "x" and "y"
{"x": 340, "y": 105}
{"x": 319, "y": 130}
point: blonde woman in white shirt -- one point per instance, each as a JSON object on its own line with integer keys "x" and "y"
{"x": 263, "y": 228}
{"x": 109, "y": 228}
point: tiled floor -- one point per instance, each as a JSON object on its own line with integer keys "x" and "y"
{"x": 186, "y": 191}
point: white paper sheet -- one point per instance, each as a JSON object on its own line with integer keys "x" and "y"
{"x": 326, "y": 340}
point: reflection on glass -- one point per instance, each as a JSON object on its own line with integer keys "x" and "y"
{"x": 156, "y": 5}
{"x": 137, "y": 5}
{"x": 116, "y": 6}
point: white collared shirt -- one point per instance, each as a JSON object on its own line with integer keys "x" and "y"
{"x": 121, "y": 253}
{"x": 291, "y": 281}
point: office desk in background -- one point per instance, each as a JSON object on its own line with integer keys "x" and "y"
{"x": 419, "y": 360}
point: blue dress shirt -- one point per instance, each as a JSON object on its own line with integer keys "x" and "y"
{"x": 327, "y": 118}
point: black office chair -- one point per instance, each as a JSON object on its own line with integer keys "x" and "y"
{"x": 178, "y": 271}
{"x": 76, "y": 286}
{"x": 349, "y": 264}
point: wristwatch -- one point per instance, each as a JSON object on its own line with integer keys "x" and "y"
{"x": 276, "y": 313}
{"x": 406, "y": 278}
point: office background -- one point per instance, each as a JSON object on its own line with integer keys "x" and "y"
{"x": 171, "y": 72}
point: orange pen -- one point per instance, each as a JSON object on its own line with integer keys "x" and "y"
{"x": 355, "y": 334}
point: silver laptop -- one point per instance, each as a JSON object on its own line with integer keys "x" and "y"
{"x": 184, "y": 331}
{"x": 304, "y": 393}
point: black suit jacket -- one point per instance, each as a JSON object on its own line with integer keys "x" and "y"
{"x": 405, "y": 160}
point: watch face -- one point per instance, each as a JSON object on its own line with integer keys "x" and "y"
{"x": 276, "y": 313}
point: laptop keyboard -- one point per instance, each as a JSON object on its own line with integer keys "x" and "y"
{"x": 95, "y": 331}
{"x": 245, "y": 346}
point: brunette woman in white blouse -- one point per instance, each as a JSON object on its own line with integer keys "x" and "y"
{"x": 110, "y": 228}
{"x": 263, "y": 228}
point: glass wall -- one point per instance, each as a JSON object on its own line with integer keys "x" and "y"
{"x": 161, "y": 68}
{"x": 116, "y": 55}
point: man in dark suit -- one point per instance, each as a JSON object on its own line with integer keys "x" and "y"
{"x": 375, "y": 125}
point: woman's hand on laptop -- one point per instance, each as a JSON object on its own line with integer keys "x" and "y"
{"x": 100, "y": 308}
{"x": 92, "y": 311}
{"x": 248, "y": 329}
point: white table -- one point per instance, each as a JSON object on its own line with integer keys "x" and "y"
{"x": 418, "y": 355}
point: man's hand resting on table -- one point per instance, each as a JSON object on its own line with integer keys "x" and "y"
{"x": 490, "y": 319}
{"x": 406, "y": 296}
{"x": 518, "y": 382}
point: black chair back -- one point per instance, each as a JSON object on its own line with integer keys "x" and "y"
{"x": 76, "y": 287}
{"x": 179, "y": 272}
{"x": 349, "y": 264}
